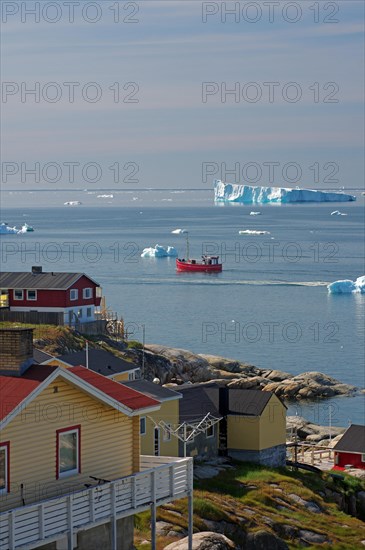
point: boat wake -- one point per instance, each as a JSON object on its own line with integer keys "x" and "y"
{"x": 212, "y": 280}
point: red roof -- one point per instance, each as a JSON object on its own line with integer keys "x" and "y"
{"x": 132, "y": 399}
{"x": 13, "y": 390}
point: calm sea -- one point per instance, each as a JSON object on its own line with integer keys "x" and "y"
{"x": 270, "y": 305}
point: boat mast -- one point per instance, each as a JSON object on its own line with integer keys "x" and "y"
{"x": 187, "y": 245}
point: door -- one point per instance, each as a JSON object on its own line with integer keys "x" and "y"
{"x": 156, "y": 445}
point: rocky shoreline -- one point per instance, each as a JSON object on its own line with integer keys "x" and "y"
{"x": 178, "y": 366}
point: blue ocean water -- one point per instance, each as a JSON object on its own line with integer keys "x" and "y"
{"x": 270, "y": 305}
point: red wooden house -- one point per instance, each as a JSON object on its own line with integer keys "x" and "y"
{"x": 75, "y": 295}
{"x": 350, "y": 450}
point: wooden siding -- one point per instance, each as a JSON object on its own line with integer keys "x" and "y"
{"x": 169, "y": 413}
{"x": 273, "y": 424}
{"x": 258, "y": 432}
{"x": 106, "y": 444}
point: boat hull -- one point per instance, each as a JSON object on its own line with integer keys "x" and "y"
{"x": 198, "y": 267}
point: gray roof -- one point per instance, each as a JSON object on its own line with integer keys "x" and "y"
{"x": 100, "y": 361}
{"x": 152, "y": 390}
{"x": 40, "y": 356}
{"x": 353, "y": 440}
{"x": 198, "y": 401}
{"x": 50, "y": 281}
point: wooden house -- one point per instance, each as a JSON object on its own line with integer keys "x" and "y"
{"x": 98, "y": 360}
{"x": 156, "y": 427}
{"x": 350, "y": 449}
{"x": 71, "y": 473}
{"x": 74, "y": 295}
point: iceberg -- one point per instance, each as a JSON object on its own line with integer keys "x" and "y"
{"x": 72, "y": 203}
{"x": 347, "y": 286}
{"x": 338, "y": 213}
{"x": 253, "y": 232}
{"x": 255, "y": 213}
{"x": 232, "y": 192}
{"x": 159, "y": 252}
{"x": 179, "y": 231}
{"x": 6, "y": 230}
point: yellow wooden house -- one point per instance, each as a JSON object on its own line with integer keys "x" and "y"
{"x": 71, "y": 472}
{"x": 156, "y": 427}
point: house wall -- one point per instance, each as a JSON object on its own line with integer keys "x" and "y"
{"x": 243, "y": 432}
{"x": 202, "y": 446}
{"x": 169, "y": 412}
{"x": 273, "y": 424}
{"x": 109, "y": 444}
{"x": 124, "y": 376}
{"x": 342, "y": 459}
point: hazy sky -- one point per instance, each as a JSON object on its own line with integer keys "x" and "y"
{"x": 146, "y": 104}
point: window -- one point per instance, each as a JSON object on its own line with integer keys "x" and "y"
{"x": 210, "y": 431}
{"x": 89, "y": 312}
{"x": 167, "y": 433}
{"x": 131, "y": 376}
{"x": 31, "y": 294}
{"x": 87, "y": 293}
{"x": 79, "y": 313}
{"x": 74, "y": 294}
{"x": 4, "y": 467}
{"x": 363, "y": 457}
{"x": 18, "y": 295}
{"x": 142, "y": 425}
{"x": 68, "y": 452}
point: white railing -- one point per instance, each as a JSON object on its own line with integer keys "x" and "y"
{"x": 162, "y": 479}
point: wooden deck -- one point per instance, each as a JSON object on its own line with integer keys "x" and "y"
{"x": 161, "y": 480}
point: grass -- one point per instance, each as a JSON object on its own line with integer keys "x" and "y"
{"x": 247, "y": 497}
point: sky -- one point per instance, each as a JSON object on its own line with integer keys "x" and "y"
{"x": 173, "y": 94}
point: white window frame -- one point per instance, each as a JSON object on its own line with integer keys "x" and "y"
{"x": 74, "y": 294}
{"x": 213, "y": 432}
{"x": 35, "y": 295}
{"x": 166, "y": 434}
{"x": 362, "y": 457}
{"x": 4, "y": 490}
{"x": 84, "y": 293}
{"x": 76, "y": 470}
{"x": 131, "y": 376}
{"x": 142, "y": 419}
{"x": 15, "y": 297}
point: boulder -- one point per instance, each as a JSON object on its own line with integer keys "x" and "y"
{"x": 207, "y": 540}
{"x": 262, "y": 540}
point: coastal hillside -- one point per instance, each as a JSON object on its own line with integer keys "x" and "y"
{"x": 256, "y": 507}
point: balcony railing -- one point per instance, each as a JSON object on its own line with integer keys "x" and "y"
{"x": 161, "y": 480}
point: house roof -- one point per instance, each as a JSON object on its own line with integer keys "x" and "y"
{"x": 198, "y": 399}
{"x": 40, "y": 356}
{"x": 13, "y": 390}
{"x": 153, "y": 390}
{"x": 129, "y": 397}
{"x": 40, "y": 281}
{"x": 100, "y": 361}
{"x": 19, "y": 391}
{"x": 353, "y": 440}
{"x": 197, "y": 402}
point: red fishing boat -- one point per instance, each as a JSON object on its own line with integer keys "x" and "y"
{"x": 208, "y": 264}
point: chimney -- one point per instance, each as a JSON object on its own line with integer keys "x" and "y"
{"x": 16, "y": 350}
{"x": 36, "y": 269}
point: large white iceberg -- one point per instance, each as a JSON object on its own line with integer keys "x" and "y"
{"x": 347, "y": 286}
{"x": 232, "y": 192}
{"x": 159, "y": 252}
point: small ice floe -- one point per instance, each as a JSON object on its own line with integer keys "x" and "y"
{"x": 338, "y": 213}
{"x": 255, "y": 213}
{"x": 347, "y": 286}
{"x": 134, "y": 198}
{"x": 26, "y": 229}
{"x": 5, "y": 229}
{"x": 253, "y": 232}
{"x": 72, "y": 203}
{"x": 105, "y": 197}
{"x": 159, "y": 252}
{"x": 179, "y": 231}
